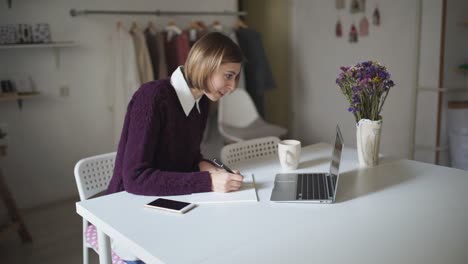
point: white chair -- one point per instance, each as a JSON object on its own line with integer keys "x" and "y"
{"x": 238, "y": 119}
{"x": 92, "y": 177}
{"x": 249, "y": 150}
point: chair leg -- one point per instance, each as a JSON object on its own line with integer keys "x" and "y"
{"x": 85, "y": 254}
{"x": 85, "y": 248}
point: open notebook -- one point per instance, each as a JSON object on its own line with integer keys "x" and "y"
{"x": 247, "y": 193}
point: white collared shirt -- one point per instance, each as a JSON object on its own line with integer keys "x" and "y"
{"x": 183, "y": 91}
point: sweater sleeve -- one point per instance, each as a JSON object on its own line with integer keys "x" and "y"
{"x": 139, "y": 176}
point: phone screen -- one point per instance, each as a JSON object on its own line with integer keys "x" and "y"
{"x": 169, "y": 204}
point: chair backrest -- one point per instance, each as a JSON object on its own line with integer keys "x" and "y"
{"x": 249, "y": 149}
{"x": 93, "y": 174}
{"x": 237, "y": 109}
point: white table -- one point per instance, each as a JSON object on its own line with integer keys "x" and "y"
{"x": 399, "y": 212}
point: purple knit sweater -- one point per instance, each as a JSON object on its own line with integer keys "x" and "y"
{"x": 159, "y": 149}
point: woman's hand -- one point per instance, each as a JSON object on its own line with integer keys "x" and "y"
{"x": 207, "y": 166}
{"x": 222, "y": 181}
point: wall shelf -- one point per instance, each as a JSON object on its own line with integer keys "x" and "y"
{"x": 19, "y": 97}
{"x": 54, "y": 45}
{"x": 60, "y": 44}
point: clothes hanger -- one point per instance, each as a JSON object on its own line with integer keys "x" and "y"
{"x": 172, "y": 30}
{"x": 171, "y": 26}
{"x": 240, "y": 24}
{"x": 217, "y": 26}
{"x": 192, "y": 29}
{"x": 152, "y": 28}
{"x": 134, "y": 26}
{"x": 201, "y": 25}
{"x": 193, "y": 25}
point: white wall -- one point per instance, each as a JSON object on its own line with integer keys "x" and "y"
{"x": 318, "y": 54}
{"x": 51, "y": 133}
{"x": 455, "y": 53}
{"x": 428, "y": 81}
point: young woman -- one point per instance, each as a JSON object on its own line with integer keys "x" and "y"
{"x": 159, "y": 148}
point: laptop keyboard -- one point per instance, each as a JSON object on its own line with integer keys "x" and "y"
{"x": 312, "y": 186}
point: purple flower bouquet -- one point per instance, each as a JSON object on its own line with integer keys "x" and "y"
{"x": 366, "y": 86}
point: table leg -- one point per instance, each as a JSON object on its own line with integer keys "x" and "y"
{"x": 104, "y": 248}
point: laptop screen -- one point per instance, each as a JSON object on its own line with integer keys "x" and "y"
{"x": 336, "y": 159}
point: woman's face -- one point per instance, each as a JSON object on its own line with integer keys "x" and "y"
{"x": 223, "y": 81}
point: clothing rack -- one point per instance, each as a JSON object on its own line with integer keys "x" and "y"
{"x": 74, "y": 13}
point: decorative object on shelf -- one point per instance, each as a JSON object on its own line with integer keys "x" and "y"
{"x": 41, "y": 33}
{"x": 8, "y": 34}
{"x": 24, "y": 34}
{"x": 366, "y": 85}
{"x": 22, "y": 82}
{"x": 339, "y": 4}
{"x": 7, "y": 86}
{"x": 353, "y": 34}
{"x": 338, "y": 29}
{"x": 376, "y": 17}
{"x": 363, "y": 27}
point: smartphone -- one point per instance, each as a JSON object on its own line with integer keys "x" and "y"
{"x": 170, "y": 205}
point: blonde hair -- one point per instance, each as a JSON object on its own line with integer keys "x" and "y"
{"x": 205, "y": 57}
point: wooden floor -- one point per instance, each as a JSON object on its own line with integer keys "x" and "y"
{"x": 56, "y": 231}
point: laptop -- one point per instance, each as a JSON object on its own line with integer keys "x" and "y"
{"x": 310, "y": 187}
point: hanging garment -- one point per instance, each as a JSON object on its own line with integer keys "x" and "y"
{"x": 194, "y": 35}
{"x": 241, "y": 83}
{"x": 258, "y": 74}
{"x": 177, "y": 48}
{"x": 353, "y": 35}
{"x": 338, "y": 29}
{"x": 362, "y": 5}
{"x": 145, "y": 69}
{"x": 123, "y": 77}
{"x": 354, "y": 6}
{"x": 376, "y": 17}
{"x": 152, "y": 43}
{"x": 364, "y": 27}
{"x": 163, "y": 73}
{"x": 195, "y": 31}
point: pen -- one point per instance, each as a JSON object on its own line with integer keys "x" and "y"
{"x": 222, "y": 165}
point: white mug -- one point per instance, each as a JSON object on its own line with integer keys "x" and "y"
{"x": 289, "y": 152}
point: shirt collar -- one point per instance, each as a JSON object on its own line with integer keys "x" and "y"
{"x": 183, "y": 91}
